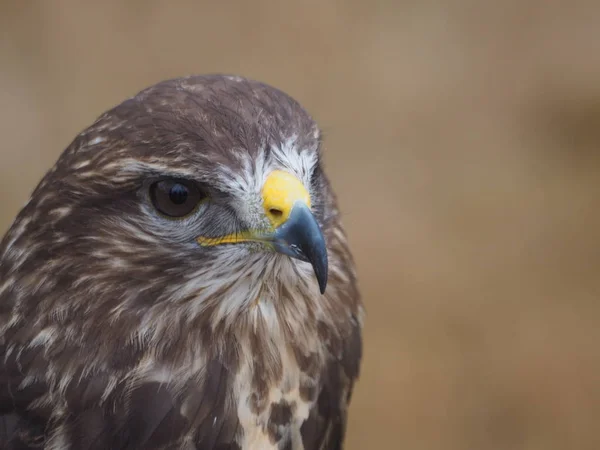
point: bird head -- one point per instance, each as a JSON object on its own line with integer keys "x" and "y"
{"x": 192, "y": 188}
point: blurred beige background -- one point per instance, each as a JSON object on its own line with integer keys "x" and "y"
{"x": 464, "y": 141}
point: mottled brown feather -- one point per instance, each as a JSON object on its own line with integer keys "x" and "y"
{"x": 104, "y": 342}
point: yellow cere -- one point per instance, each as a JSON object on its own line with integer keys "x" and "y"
{"x": 280, "y": 192}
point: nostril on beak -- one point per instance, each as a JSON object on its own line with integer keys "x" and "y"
{"x": 276, "y": 213}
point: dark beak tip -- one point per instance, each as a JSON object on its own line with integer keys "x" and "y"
{"x": 322, "y": 285}
{"x": 321, "y": 272}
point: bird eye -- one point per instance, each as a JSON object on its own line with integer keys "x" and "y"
{"x": 175, "y": 198}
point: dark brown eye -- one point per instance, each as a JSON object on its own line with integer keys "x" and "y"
{"x": 175, "y": 198}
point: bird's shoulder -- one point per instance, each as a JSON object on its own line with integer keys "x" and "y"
{"x": 158, "y": 409}
{"x": 325, "y": 426}
{"x": 107, "y": 410}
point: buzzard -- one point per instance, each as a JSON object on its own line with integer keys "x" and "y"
{"x": 180, "y": 279}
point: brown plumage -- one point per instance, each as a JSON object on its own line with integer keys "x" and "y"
{"x": 121, "y": 324}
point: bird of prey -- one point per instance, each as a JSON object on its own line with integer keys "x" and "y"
{"x": 180, "y": 279}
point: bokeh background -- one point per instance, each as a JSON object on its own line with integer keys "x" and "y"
{"x": 463, "y": 139}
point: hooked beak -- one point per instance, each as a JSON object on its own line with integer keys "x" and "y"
{"x": 295, "y": 230}
{"x": 300, "y": 237}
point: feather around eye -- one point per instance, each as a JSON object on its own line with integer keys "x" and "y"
{"x": 175, "y": 198}
{"x": 315, "y": 176}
